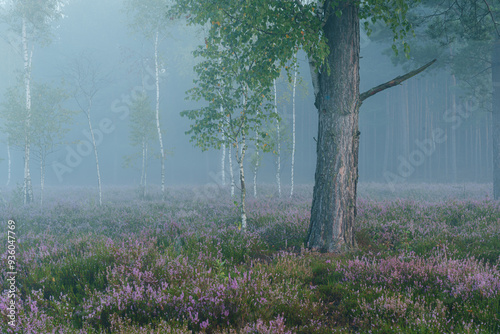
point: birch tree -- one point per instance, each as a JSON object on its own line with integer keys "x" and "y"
{"x": 87, "y": 80}
{"x": 49, "y": 122}
{"x": 328, "y": 31}
{"x": 31, "y": 20}
{"x": 148, "y": 18}
{"x": 228, "y": 76}
{"x": 294, "y": 87}
{"x": 142, "y": 135}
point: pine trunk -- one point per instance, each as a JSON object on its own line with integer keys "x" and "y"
{"x": 337, "y": 99}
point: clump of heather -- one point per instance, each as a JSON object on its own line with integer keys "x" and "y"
{"x": 183, "y": 265}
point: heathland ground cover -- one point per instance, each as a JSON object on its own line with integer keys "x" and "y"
{"x": 428, "y": 262}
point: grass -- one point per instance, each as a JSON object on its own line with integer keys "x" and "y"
{"x": 183, "y": 266}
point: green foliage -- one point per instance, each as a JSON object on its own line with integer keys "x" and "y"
{"x": 48, "y": 122}
{"x": 147, "y": 17}
{"x": 142, "y": 127}
{"x": 39, "y": 15}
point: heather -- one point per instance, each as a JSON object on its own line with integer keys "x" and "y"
{"x": 183, "y": 265}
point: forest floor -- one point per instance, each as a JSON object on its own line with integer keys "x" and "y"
{"x": 428, "y": 262}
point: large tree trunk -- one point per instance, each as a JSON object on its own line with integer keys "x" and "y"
{"x": 496, "y": 118}
{"x": 338, "y": 101}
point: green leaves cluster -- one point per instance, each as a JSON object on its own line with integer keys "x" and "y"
{"x": 48, "y": 122}
{"x": 39, "y": 16}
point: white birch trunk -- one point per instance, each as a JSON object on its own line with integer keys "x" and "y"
{"x": 256, "y": 167}
{"x": 223, "y": 158}
{"x": 95, "y": 153}
{"x": 146, "y": 172}
{"x": 231, "y": 173}
{"x": 162, "y": 151}
{"x": 293, "y": 127}
{"x": 278, "y": 170}
{"x": 42, "y": 178}
{"x": 27, "y": 188}
{"x": 8, "y": 164}
{"x": 143, "y": 166}
{"x": 239, "y": 159}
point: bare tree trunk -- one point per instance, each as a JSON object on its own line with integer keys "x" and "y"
{"x": 293, "y": 126}
{"x": 256, "y": 167}
{"x": 27, "y": 188}
{"x": 239, "y": 159}
{"x": 8, "y": 164}
{"x": 143, "y": 168}
{"x": 145, "y": 193}
{"x": 42, "y": 178}
{"x": 162, "y": 151}
{"x": 495, "y": 118}
{"x": 278, "y": 137}
{"x": 231, "y": 173}
{"x": 337, "y": 99}
{"x": 95, "y": 153}
{"x": 454, "y": 134}
{"x": 223, "y": 158}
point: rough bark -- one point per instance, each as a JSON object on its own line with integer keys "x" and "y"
{"x": 334, "y": 198}
{"x": 496, "y": 118}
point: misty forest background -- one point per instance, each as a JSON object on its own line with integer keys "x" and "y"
{"x": 391, "y": 123}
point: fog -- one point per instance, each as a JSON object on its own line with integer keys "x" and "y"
{"x": 407, "y": 133}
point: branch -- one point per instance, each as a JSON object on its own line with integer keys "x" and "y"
{"x": 393, "y": 82}
{"x": 492, "y": 18}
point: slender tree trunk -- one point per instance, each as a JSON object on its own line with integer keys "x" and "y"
{"x": 145, "y": 193}
{"x": 162, "y": 151}
{"x": 256, "y": 167}
{"x": 143, "y": 168}
{"x": 239, "y": 159}
{"x": 27, "y": 188}
{"x": 278, "y": 139}
{"x": 495, "y": 118}
{"x": 223, "y": 157}
{"x": 293, "y": 126}
{"x": 42, "y": 178}
{"x": 337, "y": 99}
{"x": 454, "y": 134}
{"x": 8, "y": 164}
{"x": 231, "y": 172}
{"x": 95, "y": 153}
